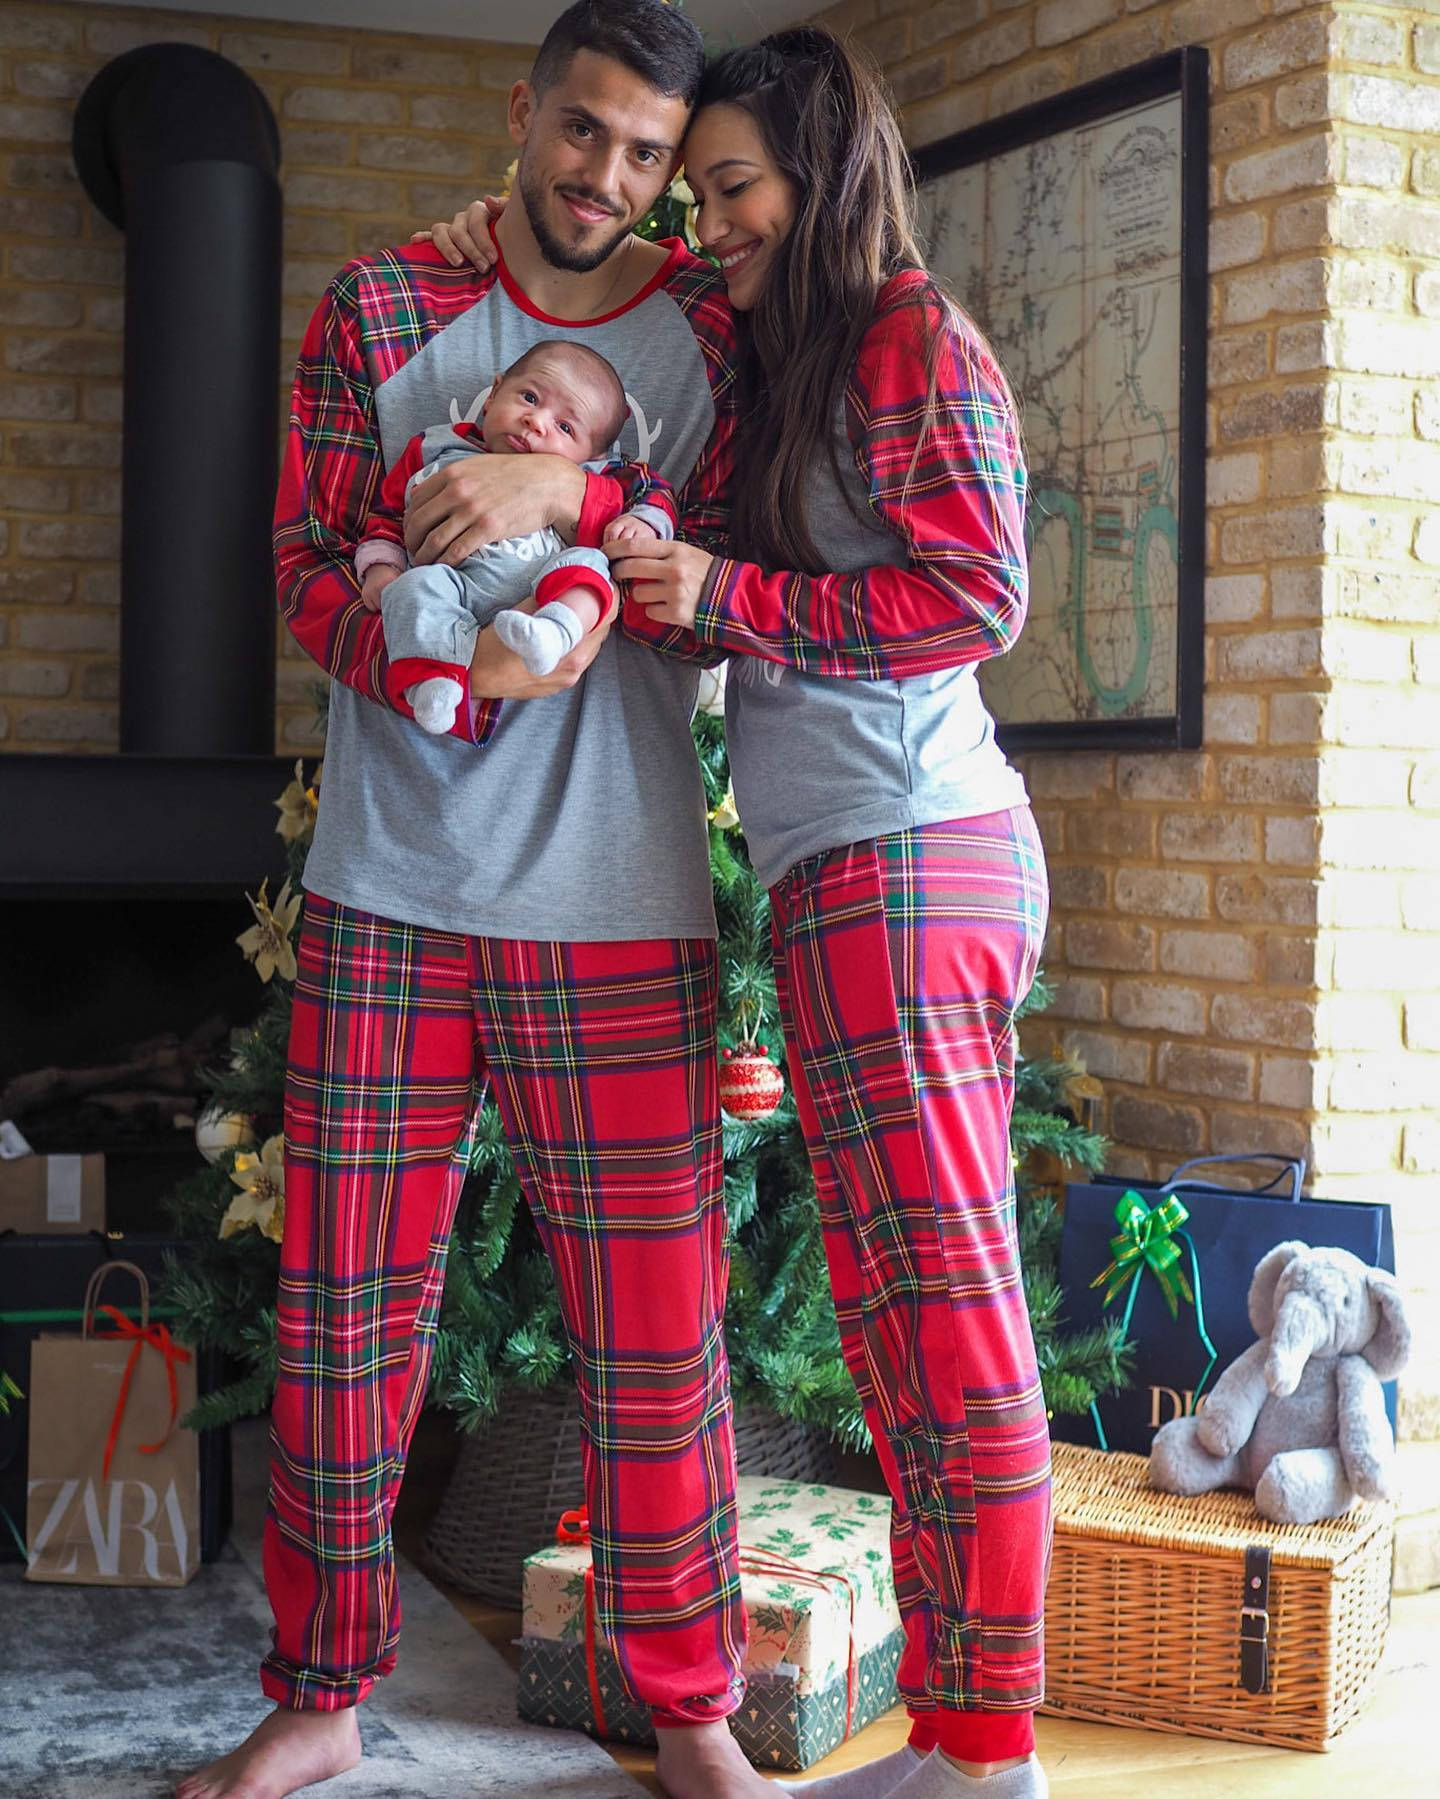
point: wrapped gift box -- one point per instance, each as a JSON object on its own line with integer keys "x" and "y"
{"x": 820, "y": 1600}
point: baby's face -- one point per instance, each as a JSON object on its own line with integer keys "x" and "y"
{"x": 538, "y": 409}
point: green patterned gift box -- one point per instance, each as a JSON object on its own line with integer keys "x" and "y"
{"x": 820, "y": 1601}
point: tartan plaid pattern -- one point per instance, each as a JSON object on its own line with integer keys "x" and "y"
{"x": 959, "y": 506}
{"x": 900, "y": 962}
{"x": 377, "y": 313}
{"x": 603, "y": 1062}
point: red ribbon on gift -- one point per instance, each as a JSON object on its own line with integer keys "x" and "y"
{"x": 158, "y": 1337}
{"x": 574, "y": 1527}
{"x": 766, "y": 1561}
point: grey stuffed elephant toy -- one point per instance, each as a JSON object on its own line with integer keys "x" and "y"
{"x": 1300, "y": 1416}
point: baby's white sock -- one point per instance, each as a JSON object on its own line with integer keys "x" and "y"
{"x": 876, "y": 1780}
{"x": 435, "y": 703}
{"x": 540, "y": 639}
{"x": 938, "y": 1778}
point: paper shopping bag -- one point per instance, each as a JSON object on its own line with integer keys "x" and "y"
{"x": 1173, "y": 1261}
{"x": 113, "y": 1496}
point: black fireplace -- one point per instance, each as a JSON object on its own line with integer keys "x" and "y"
{"x": 178, "y": 147}
{"x": 122, "y": 876}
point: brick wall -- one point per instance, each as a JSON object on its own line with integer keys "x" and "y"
{"x": 1377, "y": 606}
{"x": 378, "y": 132}
{"x": 1247, "y": 937}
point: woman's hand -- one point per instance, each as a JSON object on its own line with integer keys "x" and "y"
{"x": 477, "y": 500}
{"x": 467, "y": 237}
{"x": 668, "y": 579}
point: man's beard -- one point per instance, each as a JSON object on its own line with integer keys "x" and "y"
{"x": 559, "y": 255}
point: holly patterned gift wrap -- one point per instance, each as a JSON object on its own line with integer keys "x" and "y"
{"x": 824, "y": 1629}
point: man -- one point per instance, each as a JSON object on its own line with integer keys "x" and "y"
{"x": 525, "y": 903}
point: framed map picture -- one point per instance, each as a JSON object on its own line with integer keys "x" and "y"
{"x": 1074, "y": 232}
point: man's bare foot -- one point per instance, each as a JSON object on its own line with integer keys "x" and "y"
{"x": 703, "y": 1761}
{"x": 284, "y": 1752}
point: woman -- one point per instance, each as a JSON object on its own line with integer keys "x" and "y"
{"x": 876, "y": 556}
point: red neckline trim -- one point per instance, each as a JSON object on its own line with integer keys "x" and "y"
{"x": 527, "y": 305}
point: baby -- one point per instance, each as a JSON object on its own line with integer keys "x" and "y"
{"x": 561, "y": 398}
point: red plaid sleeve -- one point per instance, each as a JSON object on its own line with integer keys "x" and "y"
{"x": 959, "y": 506}
{"x": 616, "y": 489}
{"x": 329, "y": 482}
{"x": 386, "y": 523}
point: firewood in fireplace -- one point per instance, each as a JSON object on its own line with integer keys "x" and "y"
{"x": 161, "y": 1072}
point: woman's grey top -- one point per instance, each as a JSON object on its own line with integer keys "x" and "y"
{"x": 820, "y": 761}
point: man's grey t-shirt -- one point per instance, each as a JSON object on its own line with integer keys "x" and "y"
{"x": 582, "y": 819}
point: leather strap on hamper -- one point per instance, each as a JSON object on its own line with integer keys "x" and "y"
{"x": 1255, "y": 1621}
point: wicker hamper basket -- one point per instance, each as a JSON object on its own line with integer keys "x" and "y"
{"x": 514, "y": 1479}
{"x": 1142, "y": 1610}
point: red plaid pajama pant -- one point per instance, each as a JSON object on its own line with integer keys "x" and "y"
{"x": 602, "y": 1057}
{"x": 900, "y": 962}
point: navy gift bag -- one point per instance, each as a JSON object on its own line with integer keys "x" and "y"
{"x": 1177, "y": 1259}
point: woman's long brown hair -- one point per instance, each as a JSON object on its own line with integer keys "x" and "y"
{"x": 826, "y": 120}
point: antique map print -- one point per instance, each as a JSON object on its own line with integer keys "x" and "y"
{"x": 1067, "y": 253}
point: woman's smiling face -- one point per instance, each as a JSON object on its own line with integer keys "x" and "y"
{"x": 747, "y": 205}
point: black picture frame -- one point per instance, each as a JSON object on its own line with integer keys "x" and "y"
{"x": 1183, "y": 73}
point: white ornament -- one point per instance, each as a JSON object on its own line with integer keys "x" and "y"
{"x": 217, "y": 1131}
{"x": 711, "y": 697}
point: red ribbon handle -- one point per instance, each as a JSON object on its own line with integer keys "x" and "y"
{"x": 158, "y": 1337}
{"x": 574, "y": 1527}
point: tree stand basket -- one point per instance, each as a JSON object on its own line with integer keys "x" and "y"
{"x": 513, "y": 1481}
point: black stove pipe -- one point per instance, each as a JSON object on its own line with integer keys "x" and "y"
{"x": 180, "y": 148}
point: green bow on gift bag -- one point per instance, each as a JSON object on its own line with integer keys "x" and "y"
{"x": 1147, "y": 1238}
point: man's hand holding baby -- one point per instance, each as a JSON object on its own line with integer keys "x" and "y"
{"x": 481, "y": 500}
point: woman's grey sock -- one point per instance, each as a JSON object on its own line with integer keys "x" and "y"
{"x": 876, "y": 1780}
{"x": 937, "y": 1778}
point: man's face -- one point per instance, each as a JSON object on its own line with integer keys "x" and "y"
{"x": 596, "y": 151}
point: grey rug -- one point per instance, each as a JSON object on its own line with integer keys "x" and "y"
{"x": 115, "y": 1692}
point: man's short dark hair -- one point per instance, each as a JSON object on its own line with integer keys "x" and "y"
{"x": 651, "y": 39}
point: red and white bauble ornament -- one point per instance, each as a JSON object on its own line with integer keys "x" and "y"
{"x": 751, "y": 1086}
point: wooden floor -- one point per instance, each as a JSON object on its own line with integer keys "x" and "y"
{"x": 1388, "y": 1753}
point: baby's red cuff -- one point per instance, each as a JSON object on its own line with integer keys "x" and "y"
{"x": 411, "y": 669}
{"x": 561, "y": 581}
{"x": 604, "y": 500}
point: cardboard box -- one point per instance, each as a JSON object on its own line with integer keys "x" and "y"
{"x": 43, "y": 1194}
